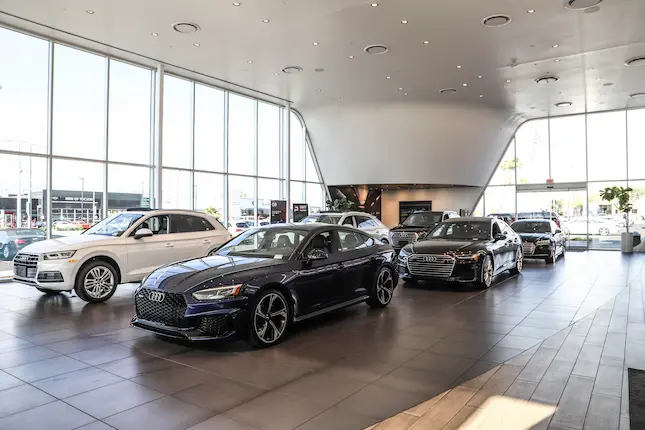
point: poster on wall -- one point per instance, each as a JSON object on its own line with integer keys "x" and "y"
{"x": 366, "y": 198}
{"x": 300, "y": 211}
{"x": 407, "y": 208}
{"x": 278, "y": 211}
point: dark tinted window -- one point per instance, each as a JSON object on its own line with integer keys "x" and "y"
{"x": 348, "y": 221}
{"x": 461, "y": 230}
{"x": 350, "y": 241}
{"x": 188, "y": 224}
{"x": 423, "y": 219}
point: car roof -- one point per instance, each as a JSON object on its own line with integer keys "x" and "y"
{"x": 470, "y": 218}
{"x": 314, "y": 226}
{"x": 165, "y": 211}
{"x": 533, "y": 220}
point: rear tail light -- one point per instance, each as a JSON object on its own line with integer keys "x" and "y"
{"x": 20, "y": 241}
{"x": 237, "y": 230}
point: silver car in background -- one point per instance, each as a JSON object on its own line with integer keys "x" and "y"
{"x": 361, "y": 220}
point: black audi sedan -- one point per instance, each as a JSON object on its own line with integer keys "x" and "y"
{"x": 541, "y": 239}
{"x": 416, "y": 226}
{"x": 463, "y": 250}
{"x": 265, "y": 279}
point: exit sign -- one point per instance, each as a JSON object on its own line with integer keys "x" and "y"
{"x": 549, "y": 181}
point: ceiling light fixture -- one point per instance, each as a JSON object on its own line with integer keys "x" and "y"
{"x": 155, "y": 34}
{"x": 185, "y": 27}
{"x": 250, "y": 61}
{"x": 405, "y": 21}
{"x": 548, "y": 79}
{"x": 464, "y": 84}
{"x": 405, "y": 94}
{"x": 196, "y": 44}
{"x": 237, "y": 3}
{"x": 448, "y": 91}
{"x": 636, "y": 61}
{"x": 376, "y": 49}
{"x": 555, "y": 46}
{"x": 517, "y": 92}
{"x": 530, "y": 11}
{"x": 290, "y": 70}
{"x": 276, "y": 74}
{"x": 508, "y": 81}
{"x": 607, "y": 84}
{"x": 479, "y": 77}
{"x": 319, "y": 90}
{"x": 400, "y": 89}
{"x": 496, "y": 20}
{"x": 581, "y": 4}
{"x": 351, "y": 57}
{"x": 315, "y": 43}
{"x": 459, "y": 67}
{"x": 374, "y": 4}
{"x": 637, "y": 96}
{"x": 266, "y": 21}
{"x": 481, "y": 96}
{"x": 425, "y": 42}
{"x": 89, "y": 12}
{"x": 557, "y": 60}
{"x": 388, "y": 77}
{"x": 563, "y": 104}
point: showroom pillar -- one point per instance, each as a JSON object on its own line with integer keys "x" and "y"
{"x": 286, "y": 155}
{"x": 158, "y": 148}
{"x": 50, "y": 117}
{"x": 226, "y": 194}
{"x": 104, "y": 205}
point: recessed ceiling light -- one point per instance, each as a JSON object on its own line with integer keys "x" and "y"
{"x": 563, "y": 104}
{"x": 89, "y": 12}
{"x": 508, "y": 81}
{"x": 581, "y": 4}
{"x": 185, "y": 27}
{"x": 637, "y": 96}
{"x": 374, "y": 4}
{"x": 636, "y": 61}
{"x": 459, "y": 67}
{"x": 405, "y": 21}
{"x": 400, "y": 89}
{"x": 250, "y": 61}
{"x": 266, "y": 21}
{"x": 425, "y": 42}
{"x": 405, "y": 94}
{"x": 237, "y": 3}
{"x": 479, "y": 77}
{"x": 530, "y": 11}
{"x": 448, "y": 91}
{"x": 376, "y": 49}
{"x": 548, "y": 79}
{"x": 342, "y": 97}
{"x": 292, "y": 69}
{"x": 555, "y": 46}
{"x": 388, "y": 77}
{"x": 464, "y": 84}
{"x": 496, "y": 20}
{"x": 319, "y": 90}
{"x": 481, "y": 95}
{"x": 607, "y": 84}
{"x": 351, "y": 57}
{"x": 315, "y": 43}
{"x": 155, "y": 34}
{"x": 557, "y": 60}
{"x": 196, "y": 44}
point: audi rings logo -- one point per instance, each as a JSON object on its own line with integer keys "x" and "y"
{"x": 156, "y": 296}
{"x": 430, "y": 259}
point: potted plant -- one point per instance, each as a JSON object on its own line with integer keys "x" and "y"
{"x": 340, "y": 205}
{"x": 620, "y": 197}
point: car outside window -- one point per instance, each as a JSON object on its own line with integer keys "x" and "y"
{"x": 321, "y": 218}
{"x": 350, "y": 241}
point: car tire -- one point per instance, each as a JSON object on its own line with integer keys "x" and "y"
{"x": 48, "y": 292}
{"x": 100, "y": 274}
{"x": 6, "y": 252}
{"x": 519, "y": 262}
{"x": 486, "y": 274}
{"x": 551, "y": 258}
{"x": 269, "y": 312}
{"x": 383, "y": 288}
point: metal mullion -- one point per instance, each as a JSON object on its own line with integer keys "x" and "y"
{"x": 159, "y": 92}
{"x": 225, "y": 166}
{"x": 286, "y": 153}
{"x": 50, "y": 118}
{"x": 515, "y": 174}
{"x": 106, "y": 200}
{"x": 256, "y": 108}
{"x": 191, "y": 188}
{"x": 587, "y": 172}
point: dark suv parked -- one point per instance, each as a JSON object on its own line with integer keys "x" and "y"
{"x": 416, "y": 226}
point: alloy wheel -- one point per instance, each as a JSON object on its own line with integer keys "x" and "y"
{"x": 270, "y": 318}
{"x": 99, "y": 282}
{"x": 519, "y": 260}
{"x": 5, "y": 252}
{"x": 384, "y": 286}
{"x": 487, "y": 271}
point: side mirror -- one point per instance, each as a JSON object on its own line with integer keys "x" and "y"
{"x": 500, "y": 236}
{"x": 143, "y": 232}
{"x": 558, "y": 231}
{"x": 317, "y": 254}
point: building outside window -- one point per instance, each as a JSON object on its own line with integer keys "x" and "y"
{"x": 558, "y": 166}
{"x": 222, "y": 152}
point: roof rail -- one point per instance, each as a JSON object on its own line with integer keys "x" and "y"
{"x": 138, "y": 209}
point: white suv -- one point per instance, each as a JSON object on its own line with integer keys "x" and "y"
{"x": 122, "y": 248}
{"x": 361, "y": 220}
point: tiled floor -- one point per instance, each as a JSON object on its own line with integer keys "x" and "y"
{"x": 438, "y": 358}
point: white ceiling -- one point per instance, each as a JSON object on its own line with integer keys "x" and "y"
{"x": 358, "y": 111}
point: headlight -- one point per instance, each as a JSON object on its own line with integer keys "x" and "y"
{"x": 218, "y": 292}
{"x": 58, "y": 255}
{"x": 542, "y": 242}
{"x": 403, "y": 256}
{"x": 474, "y": 257}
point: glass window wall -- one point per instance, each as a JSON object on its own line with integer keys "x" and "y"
{"x": 222, "y": 153}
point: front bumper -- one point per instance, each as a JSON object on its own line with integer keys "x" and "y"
{"x": 462, "y": 273}
{"x": 55, "y": 275}
{"x": 542, "y": 251}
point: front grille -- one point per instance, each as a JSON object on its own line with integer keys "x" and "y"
{"x": 215, "y": 325}
{"x": 528, "y": 248}
{"x": 170, "y": 311}
{"x": 430, "y": 266}
{"x": 402, "y": 238}
{"x": 25, "y": 265}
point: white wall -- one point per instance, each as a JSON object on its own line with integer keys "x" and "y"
{"x": 453, "y": 198}
{"x": 413, "y": 143}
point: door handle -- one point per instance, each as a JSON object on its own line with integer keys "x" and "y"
{"x": 207, "y": 241}
{"x": 169, "y": 245}
{"x": 341, "y": 267}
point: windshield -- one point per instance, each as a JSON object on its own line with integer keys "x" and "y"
{"x": 423, "y": 219}
{"x": 267, "y": 243}
{"x": 531, "y": 227}
{"x": 114, "y": 225}
{"x": 461, "y": 230}
{"x": 322, "y": 218}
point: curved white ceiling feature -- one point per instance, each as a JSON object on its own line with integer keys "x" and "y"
{"x": 409, "y": 142}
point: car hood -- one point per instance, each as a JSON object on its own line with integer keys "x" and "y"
{"x": 533, "y": 237}
{"x": 69, "y": 243}
{"x": 187, "y": 276}
{"x": 442, "y": 246}
{"x": 412, "y": 229}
